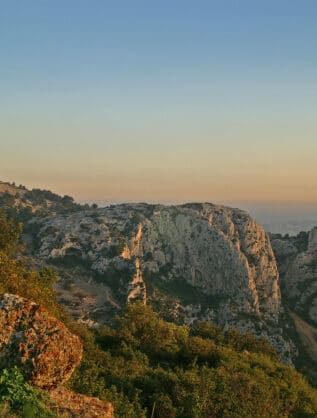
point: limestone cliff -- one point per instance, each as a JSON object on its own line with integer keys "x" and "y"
{"x": 194, "y": 261}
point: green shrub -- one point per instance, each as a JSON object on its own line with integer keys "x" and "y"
{"x": 22, "y": 398}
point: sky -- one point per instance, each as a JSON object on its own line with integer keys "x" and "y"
{"x": 163, "y": 101}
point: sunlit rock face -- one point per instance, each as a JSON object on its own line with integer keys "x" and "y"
{"x": 218, "y": 251}
{"x": 194, "y": 261}
{"x": 141, "y": 250}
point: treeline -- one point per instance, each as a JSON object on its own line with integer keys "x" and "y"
{"x": 25, "y": 203}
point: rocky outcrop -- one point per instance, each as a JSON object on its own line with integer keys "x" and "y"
{"x": 219, "y": 251}
{"x": 137, "y": 288}
{"x": 32, "y": 339}
{"x": 71, "y": 404}
{"x": 47, "y": 353}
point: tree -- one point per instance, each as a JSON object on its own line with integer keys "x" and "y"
{"x": 9, "y": 233}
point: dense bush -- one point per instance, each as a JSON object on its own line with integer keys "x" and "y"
{"x": 234, "y": 338}
{"x": 9, "y": 233}
{"x": 171, "y": 371}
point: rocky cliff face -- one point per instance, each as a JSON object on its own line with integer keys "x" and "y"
{"x": 195, "y": 261}
{"x": 301, "y": 280}
{"x": 299, "y": 273}
{"x": 297, "y": 262}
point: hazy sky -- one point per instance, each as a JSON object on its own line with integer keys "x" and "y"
{"x": 163, "y": 100}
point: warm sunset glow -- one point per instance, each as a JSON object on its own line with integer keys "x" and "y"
{"x": 181, "y": 101}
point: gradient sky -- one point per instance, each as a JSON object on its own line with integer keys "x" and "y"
{"x": 160, "y": 101}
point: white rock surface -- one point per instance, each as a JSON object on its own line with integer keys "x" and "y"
{"x": 201, "y": 261}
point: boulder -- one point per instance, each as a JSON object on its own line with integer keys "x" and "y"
{"x": 40, "y": 345}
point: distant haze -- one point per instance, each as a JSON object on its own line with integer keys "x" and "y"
{"x": 284, "y": 219}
